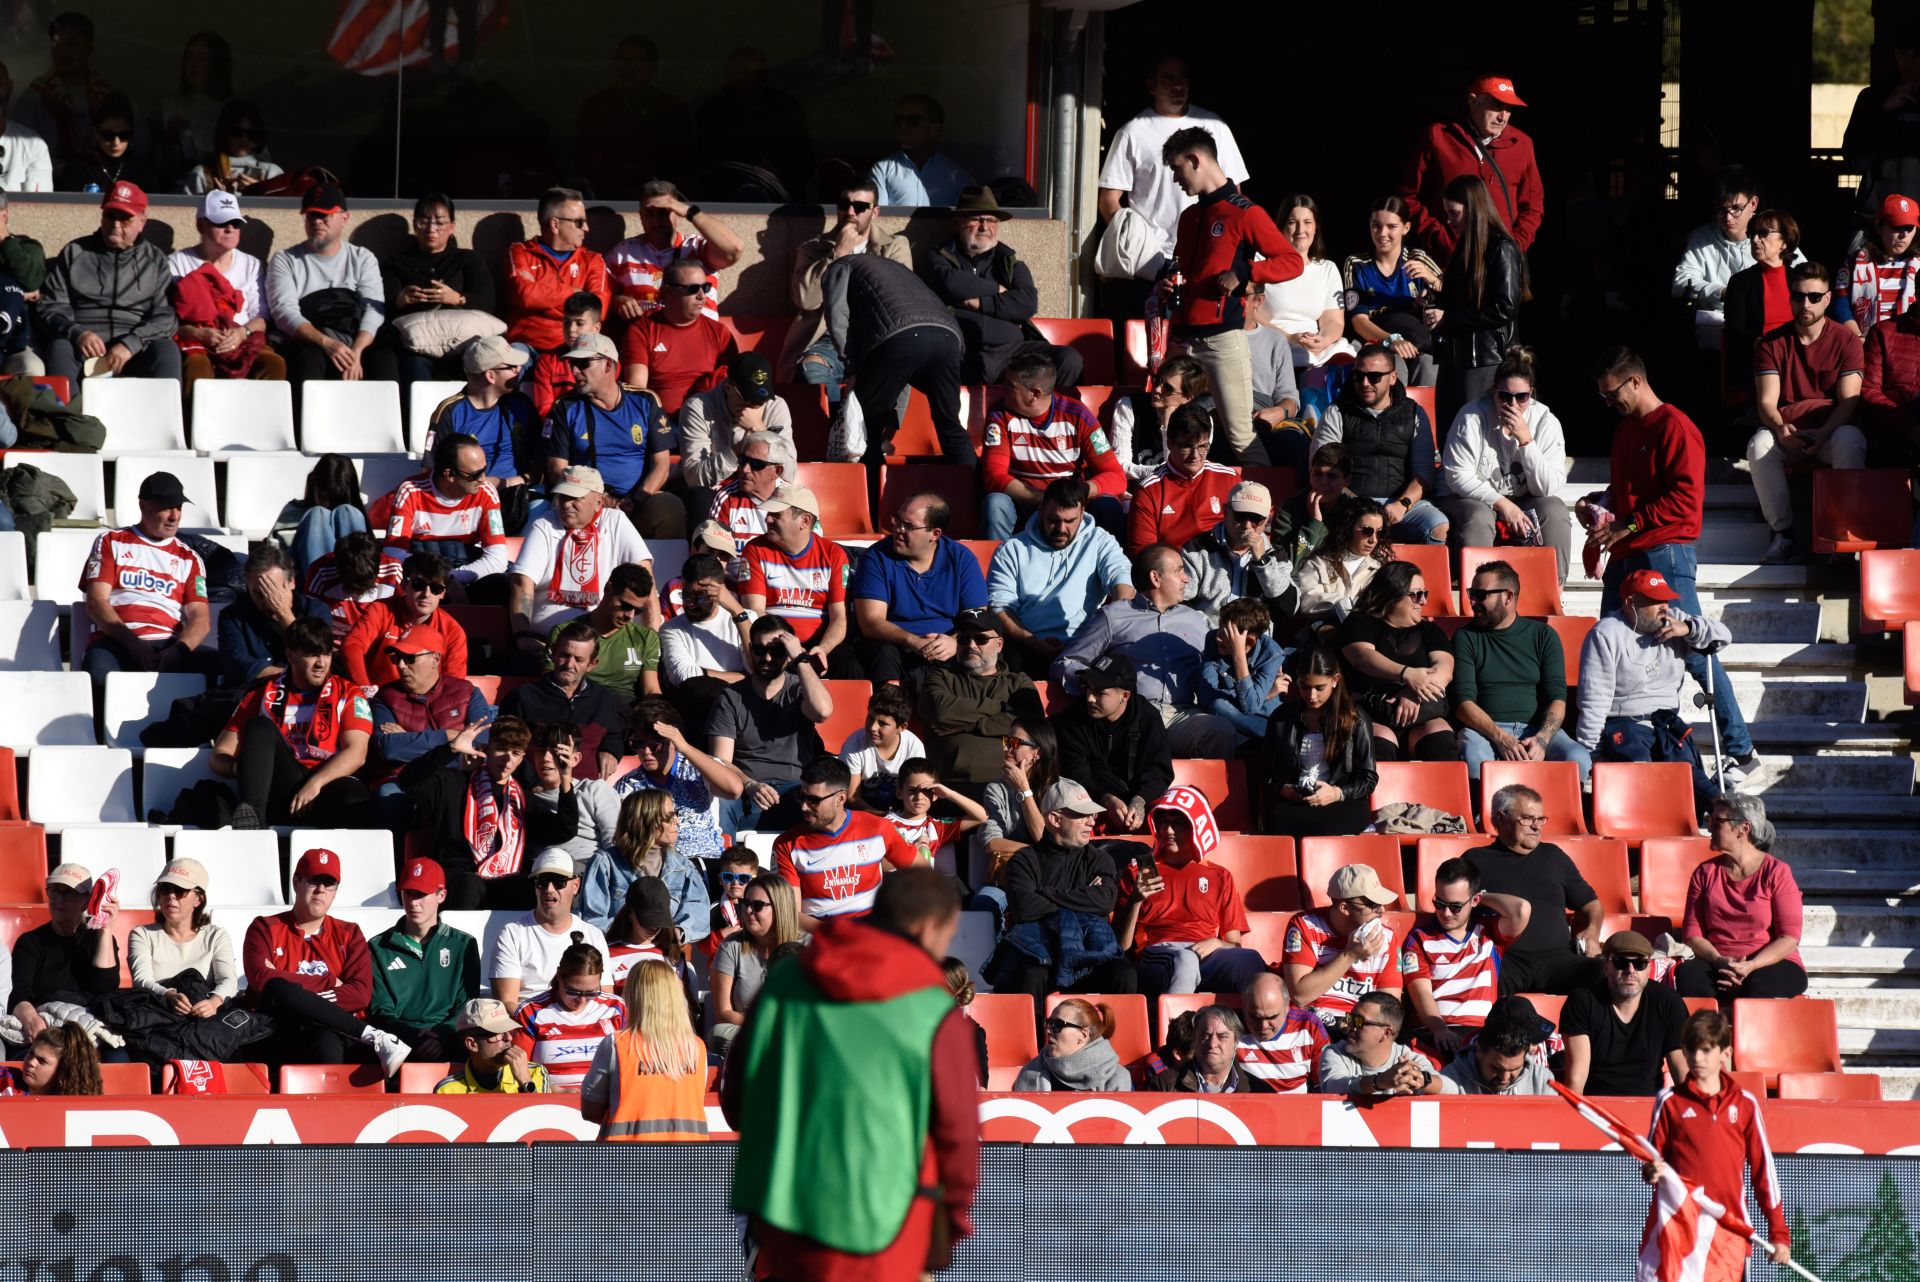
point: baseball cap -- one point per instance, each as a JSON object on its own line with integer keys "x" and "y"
{"x": 221, "y": 207}
{"x": 423, "y": 876}
{"x": 414, "y": 641}
{"x": 1499, "y": 88}
{"x": 163, "y": 487}
{"x": 1360, "y": 881}
{"x": 795, "y": 496}
{"x": 977, "y": 622}
{"x": 72, "y": 876}
{"x": 650, "y": 903}
{"x": 1630, "y": 943}
{"x": 577, "y": 482}
{"x": 1900, "y": 211}
{"x": 1069, "y": 796}
{"x": 1518, "y": 1010}
{"x": 188, "y": 874}
{"x": 484, "y": 1015}
{"x": 752, "y": 377}
{"x": 592, "y": 347}
{"x": 1648, "y": 583}
{"x": 323, "y": 198}
{"x": 1109, "y": 672}
{"x": 550, "y": 863}
{"x": 490, "y": 352}
{"x": 126, "y": 198}
{"x": 1251, "y": 496}
{"x": 318, "y": 862}
{"x": 715, "y": 538}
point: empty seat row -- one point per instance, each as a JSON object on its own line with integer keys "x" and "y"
{"x": 240, "y": 415}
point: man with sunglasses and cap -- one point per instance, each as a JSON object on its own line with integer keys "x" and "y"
{"x": 638, "y": 265}
{"x": 423, "y": 709}
{"x": 1065, "y": 872}
{"x": 992, "y": 294}
{"x": 496, "y": 1063}
{"x": 621, "y": 433}
{"x": 62, "y": 959}
{"x": 493, "y": 411}
{"x": 567, "y": 557}
{"x": 1622, "y": 1027}
{"x": 528, "y": 951}
{"x": 144, "y": 591}
{"x": 1334, "y": 956}
{"x": 677, "y": 349}
{"x": 1239, "y": 557}
{"x": 423, "y": 969}
{"x": 856, "y": 230}
{"x": 412, "y": 614}
{"x": 105, "y": 298}
{"x": 218, "y": 348}
{"x": 969, "y": 703}
{"x": 1389, "y": 443}
{"x": 326, "y": 298}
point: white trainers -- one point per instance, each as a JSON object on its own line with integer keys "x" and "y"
{"x": 392, "y": 1051}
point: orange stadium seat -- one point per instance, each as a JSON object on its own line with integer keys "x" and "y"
{"x": 1910, "y": 663}
{"x": 1785, "y": 1035}
{"x": 23, "y": 863}
{"x": 9, "y": 786}
{"x": 1131, "y": 1030}
{"x": 1429, "y": 855}
{"x": 1321, "y": 857}
{"x": 1639, "y": 799}
{"x": 1548, "y": 1004}
{"x": 1011, "y": 1032}
{"x": 1091, "y": 337}
{"x": 763, "y": 334}
{"x": 126, "y": 1079}
{"x": 331, "y": 1079}
{"x": 17, "y": 919}
{"x": 1572, "y": 630}
{"x": 915, "y": 437}
{"x": 1557, "y": 782}
{"x": 239, "y": 1079}
{"x": 1267, "y": 934}
{"x": 842, "y": 491}
{"x": 1428, "y": 399}
{"x": 1829, "y": 1086}
{"x": 1858, "y": 510}
{"x": 983, "y": 550}
{"x": 1538, "y": 569}
{"x": 1666, "y": 867}
{"x": 1225, "y": 786}
{"x": 1441, "y": 784}
{"x": 1264, "y": 870}
{"x": 1431, "y": 560}
{"x": 1174, "y": 1005}
{"x": 1133, "y": 354}
{"x": 1603, "y": 862}
{"x": 1889, "y": 588}
{"x": 421, "y": 1078}
{"x": 849, "y": 712}
{"x": 951, "y": 481}
{"x": 1451, "y": 623}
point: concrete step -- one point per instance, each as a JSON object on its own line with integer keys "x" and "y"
{"x": 1869, "y": 852}
{"x": 1766, "y": 697}
{"x": 1860, "y": 924}
{"x": 1789, "y": 807}
{"x": 1854, "y": 969}
{"x": 1871, "y": 1008}
{"x": 1834, "y": 881}
{"x": 1879, "y": 1045}
{"x": 1802, "y": 734}
{"x": 1833, "y": 773}
{"x": 1767, "y": 656}
{"x": 1726, "y": 538}
{"x": 1895, "y": 1082}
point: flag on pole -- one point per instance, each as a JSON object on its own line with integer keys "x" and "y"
{"x": 378, "y": 37}
{"x": 1689, "y": 1237}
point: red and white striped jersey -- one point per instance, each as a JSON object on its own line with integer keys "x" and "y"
{"x": 1290, "y": 1060}
{"x": 1312, "y": 943}
{"x": 149, "y": 584}
{"x": 419, "y": 512}
{"x": 323, "y": 584}
{"x": 623, "y": 957}
{"x": 934, "y": 836}
{"x": 838, "y": 873}
{"x": 563, "y": 1041}
{"x": 798, "y": 588}
{"x": 1464, "y": 972}
{"x": 739, "y": 512}
{"x": 635, "y": 269}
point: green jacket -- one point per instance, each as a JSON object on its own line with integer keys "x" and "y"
{"x": 420, "y": 986}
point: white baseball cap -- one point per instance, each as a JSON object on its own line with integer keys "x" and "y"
{"x": 221, "y": 207}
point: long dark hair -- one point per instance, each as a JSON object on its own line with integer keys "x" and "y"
{"x": 1046, "y": 771}
{"x": 1384, "y": 590}
{"x": 332, "y": 482}
{"x": 1317, "y": 247}
{"x": 1481, "y": 227}
{"x": 79, "y": 1071}
{"x": 1346, "y": 519}
{"x": 1339, "y": 716}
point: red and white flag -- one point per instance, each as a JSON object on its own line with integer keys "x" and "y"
{"x": 1689, "y": 1237}
{"x": 378, "y": 37}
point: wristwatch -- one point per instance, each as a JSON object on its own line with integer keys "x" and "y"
{"x": 1025, "y": 796}
{"x": 693, "y": 212}
{"x": 742, "y": 616}
{"x": 1393, "y": 338}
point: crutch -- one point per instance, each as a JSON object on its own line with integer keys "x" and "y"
{"x": 1707, "y": 700}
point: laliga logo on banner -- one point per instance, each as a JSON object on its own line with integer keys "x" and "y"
{"x": 1055, "y": 1126}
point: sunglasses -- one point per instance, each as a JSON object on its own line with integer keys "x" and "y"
{"x": 1055, "y": 1025}
{"x": 422, "y": 585}
{"x": 1481, "y": 594}
{"x": 115, "y": 135}
{"x": 686, "y": 287}
{"x": 1370, "y": 531}
{"x": 1359, "y": 904}
{"x": 402, "y": 659}
{"x": 810, "y": 802}
{"x": 584, "y": 994}
{"x": 857, "y": 206}
{"x": 1170, "y": 387}
{"x": 1808, "y": 296}
{"x": 1418, "y": 596}
{"x": 581, "y": 223}
{"x": 1372, "y": 1023}
{"x": 1628, "y": 961}
{"x": 1015, "y": 741}
{"x": 977, "y": 640}
{"x": 757, "y": 464}
{"x": 553, "y": 879}
{"x": 922, "y": 791}
{"x": 771, "y": 651}
{"x": 475, "y": 475}
{"x": 1517, "y": 398}
{"x": 1449, "y": 906}
{"x": 235, "y": 225}
{"x": 737, "y": 879}
{"x": 756, "y": 905}
{"x": 1250, "y": 518}
{"x": 626, "y": 607}
{"x": 1371, "y": 375}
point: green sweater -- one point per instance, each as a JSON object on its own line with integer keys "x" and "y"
{"x": 1513, "y": 674}
{"x": 419, "y": 986}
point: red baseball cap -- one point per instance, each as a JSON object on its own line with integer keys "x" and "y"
{"x": 1900, "y": 211}
{"x": 318, "y": 862}
{"x": 1650, "y": 584}
{"x": 1498, "y": 88}
{"x": 423, "y": 876}
{"x": 126, "y": 198}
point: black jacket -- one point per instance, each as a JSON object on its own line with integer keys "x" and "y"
{"x": 1128, "y": 758}
{"x": 462, "y": 269}
{"x": 1472, "y": 337}
{"x": 1001, "y": 324}
{"x": 1046, "y": 877}
{"x": 1354, "y": 774}
{"x": 1745, "y": 305}
{"x": 1186, "y": 1081}
{"x": 868, "y": 298}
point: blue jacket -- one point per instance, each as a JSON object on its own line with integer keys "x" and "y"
{"x": 249, "y": 642}
{"x": 1052, "y": 592}
{"x": 603, "y": 892}
{"x": 1250, "y": 695}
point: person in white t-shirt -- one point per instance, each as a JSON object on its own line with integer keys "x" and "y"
{"x": 1135, "y": 168}
{"x": 876, "y": 752}
{"x": 528, "y": 952}
{"x": 703, "y": 649}
{"x": 566, "y": 556}
{"x": 26, "y": 163}
{"x": 1310, "y": 309}
{"x": 912, "y": 815}
{"x": 219, "y": 223}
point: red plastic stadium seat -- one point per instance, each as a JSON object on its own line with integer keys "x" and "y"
{"x": 1639, "y": 799}
{"x": 1856, "y": 510}
{"x": 1548, "y": 1004}
{"x": 1264, "y": 871}
{"x": 763, "y": 334}
{"x": 17, "y": 919}
{"x": 1428, "y": 399}
{"x": 1431, "y": 560}
{"x": 420, "y": 1079}
{"x": 1267, "y": 934}
{"x": 1225, "y": 785}
{"x": 842, "y": 491}
{"x": 1785, "y": 1035}
{"x": 1133, "y": 355}
{"x": 55, "y": 383}
{"x": 983, "y": 550}
{"x": 9, "y": 786}
{"x": 125, "y": 1079}
{"x": 1440, "y": 784}
{"x": 1096, "y": 397}
{"x": 1889, "y": 588}
{"x": 1010, "y": 1024}
{"x": 915, "y": 437}
{"x": 1131, "y": 1029}
{"x": 1538, "y": 569}
{"x": 1572, "y": 630}
{"x": 1910, "y": 657}
{"x": 951, "y": 481}
{"x": 1321, "y": 857}
{"x": 1697, "y": 1004}
{"x": 1603, "y": 862}
{"x": 331, "y": 1079}
{"x": 1666, "y": 867}
{"x": 1429, "y": 855}
{"x": 23, "y": 863}
{"x": 849, "y": 712}
{"x": 240, "y": 1079}
{"x": 1091, "y": 337}
{"x": 1834, "y": 1086}
{"x": 1174, "y": 1005}
{"x": 1557, "y": 782}
{"x": 489, "y": 687}
{"x": 1451, "y": 623}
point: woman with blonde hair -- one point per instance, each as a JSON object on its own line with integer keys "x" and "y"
{"x": 645, "y": 844}
{"x": 769, "y": 917}
{"x": 1079, "y": 1054}
{"x": 648, "y": 1082}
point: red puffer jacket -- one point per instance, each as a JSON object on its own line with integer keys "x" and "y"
{"x": 1891, "y": 388}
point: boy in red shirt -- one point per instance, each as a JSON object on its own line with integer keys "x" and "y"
{"x": 1182, "y": 912}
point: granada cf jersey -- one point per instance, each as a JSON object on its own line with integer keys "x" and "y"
{"x": 1311, "y": 942}
{"x": 797, "y": 586}
{"x": 419, "y": 512}
{"x": 149, "y": 584}
{"x": 838, "y": 873}
{"x": 563, "y": 1041}
{"x": 311, "y": 721}
{"x": 1464, "y": 971}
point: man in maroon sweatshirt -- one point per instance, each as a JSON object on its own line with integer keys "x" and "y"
{"x": 1656, "y": 497}
{"x": 1483, "y": 142}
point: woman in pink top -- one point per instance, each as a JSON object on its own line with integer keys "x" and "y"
{"x": 1743, "y": 912}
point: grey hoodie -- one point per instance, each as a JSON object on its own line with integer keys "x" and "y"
{"x": 1094, "y": 1067}
{"x": 1626, "y": 674}
{"x": 122, "y": 297}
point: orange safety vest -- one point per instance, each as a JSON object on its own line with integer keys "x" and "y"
{"x": 653, "y": 1107}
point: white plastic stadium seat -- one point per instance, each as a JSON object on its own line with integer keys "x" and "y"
{"x": 45, "y": 708}
{"x": 167, "y": 772}
{"x": 135, "y": 700}
{"x": 420, "y": 406}
{"x": 68, "y": 786}
{"x": 59, "y": 557}
{"x": 85, "y": 475}
{"x": 242, "y": 415}
{"x": 259, "y": 485}
{"x": 366, "y": 863}
{"x": 15, "y": 583}
{"x": 202, "y": 511}
{"x": 29, "y": 636}
{"x": 242, "y": 867}
{"x": 381, "y": 474}
{"x": 139, "y": 852}
{"x": 351, "y": 418}
{"x": 485, "y": 927}
{"x": 142, "y": 415}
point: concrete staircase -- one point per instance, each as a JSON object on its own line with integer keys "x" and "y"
{"x": 1827, "y": 712}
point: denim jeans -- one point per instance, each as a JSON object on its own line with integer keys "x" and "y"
{"x": 319, "y": 529}
{"x": 1679, "y": 562}
{"x": 1251, "y": 725}
{"x": 1477, "y": 750}
{"x": 829, "y": 371}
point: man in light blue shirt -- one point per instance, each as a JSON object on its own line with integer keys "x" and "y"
{"x": 1044, "y": 582}
{"x": 918, "y": 174}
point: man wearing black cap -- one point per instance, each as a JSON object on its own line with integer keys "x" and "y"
{"x": 713, "y": 423}
{"x": 1501, "y": 1060}
{"x": 146, "y": 592}
{"x": 676, "y": 350}
{"x": 105, "y": 298}
{"x": 970, "y": 702}
{"x": 326, "y": 299}
{"x": 1115, "y": 744}
{"x": 992, "y": 294}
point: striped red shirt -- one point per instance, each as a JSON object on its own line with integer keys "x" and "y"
{"x": 343, "y": 611}
{"x": 739, "y": 512}
{"x": 798, "y": 588}
{"x": 149, "y": 584}
{"x": 311, "y": 721}
{"x": 1464, "y": 972}
{"x": 1070, "y": 442}
{"x": 1312, "y": 943}
{"x": 1290, "y": 1060}
{"x": 563, "y": 1041}
{"x": 419, "y": 512}
{"x": 838, "y": 873}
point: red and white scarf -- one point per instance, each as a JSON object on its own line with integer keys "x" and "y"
{"x": 576, "y": 566}
{"x": 498, "y": 841}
